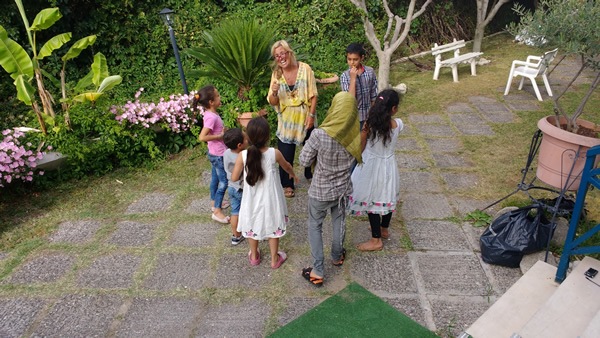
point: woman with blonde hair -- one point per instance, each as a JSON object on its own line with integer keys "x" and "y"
{"x": 293, "y": 95}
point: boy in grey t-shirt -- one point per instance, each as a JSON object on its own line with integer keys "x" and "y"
{"x": 236, "y": 140}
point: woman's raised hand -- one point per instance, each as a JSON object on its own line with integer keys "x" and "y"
{"x": 275, "y": 87}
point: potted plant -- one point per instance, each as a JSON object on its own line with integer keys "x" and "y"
{"x": 573, "y": 27}
{"x": 238, "y": 52}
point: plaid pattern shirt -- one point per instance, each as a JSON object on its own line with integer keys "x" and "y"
{"x": 331, "y": 178}
{"x": 366, "y": 90}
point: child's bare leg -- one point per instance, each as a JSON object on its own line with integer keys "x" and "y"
{"x": 253, "y": 248}
{"x": 234, "y": 222}
{"x": 274, "y": 247}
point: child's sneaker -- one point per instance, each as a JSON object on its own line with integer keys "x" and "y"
{"x": 237, "y": 240}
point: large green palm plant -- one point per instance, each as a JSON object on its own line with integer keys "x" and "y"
{"x": 237, "y": 52}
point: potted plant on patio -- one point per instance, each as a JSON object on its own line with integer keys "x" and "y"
{"x": 573, "y": 27}
{"x": 238, "y": 52}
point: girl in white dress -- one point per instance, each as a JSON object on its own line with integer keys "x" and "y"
{"x": 263, "y": 212}
{"x": 375, "y": 183}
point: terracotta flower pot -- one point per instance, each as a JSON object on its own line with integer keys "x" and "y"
{"x": 244, "y": 118}
{"x": 557, "y": 152}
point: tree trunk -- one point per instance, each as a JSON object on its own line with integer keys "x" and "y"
{"x": 479, "y": 32}
{"x": 383, "y": 76}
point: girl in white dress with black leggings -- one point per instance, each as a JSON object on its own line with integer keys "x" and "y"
{"x": 375, "y": 183}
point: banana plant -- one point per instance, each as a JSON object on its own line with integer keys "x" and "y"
{"x": 98, "y": 79}
{"x": 24, "y": 68}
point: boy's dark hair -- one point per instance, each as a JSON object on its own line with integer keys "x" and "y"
{"x": 356, "y": 48}
{"x": 233, "y": 137}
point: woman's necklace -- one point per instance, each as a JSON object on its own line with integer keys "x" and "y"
{"x": 290, "y": 76}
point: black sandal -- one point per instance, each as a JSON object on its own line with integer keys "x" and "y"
{"x": 341, "y": 261}
{"x": 316, "y": 281}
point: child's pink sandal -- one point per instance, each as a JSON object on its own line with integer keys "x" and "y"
{"x": 254, "y": 262}
{"x": 282, "y": 258}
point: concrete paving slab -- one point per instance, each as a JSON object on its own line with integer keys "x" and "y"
{"x": 45, "y": 267}
{"x": 409, "y": 305}
{"x": 378, "y": 272}
{"x": 297, "y": 230}
{"x": 451, "y": 161}
{"x": 460, "y": 107}
{"x": 18, "y": 314}
{"x": 460, "y": 181}
{"x": 466, "y": 205}
{"x": 408, "y": 144}
{"x": 411, "y": 161}
{"x": 196, "y": 235}
{"x": 160, "y": 317}
{"x": 515, "y": 96}
{"x": 500, "y": 117}
{"x": 419, "y": 181}
{"x": 429, "y": 206}
{"x": 481, "y": 99}
{"x": 298, "y": 205}
{"x": 133, "y": 234}
{"x": 451, "y": 273}
{"x": 334, "y": 279}
{"x": 436, "y": 235}
{"x": 110, "y": 272}
{"x": 436, "y": 130}
{"x": 80, "y": 316}
{"x": 444, "y": 145}
{"x": 421, "y": 118}
{"x": 179, "y": 271}
{"x": 475, "y": 129}
{"x": 473, "y": 234}
{"x": 502, "y": 277}
{"x": 490, "y": 108}
{"x": 78, "y": 232}
{"x": 254, "y": 277}
{"x": 466, "y": 119}
{"x": 454, "y": 315}
{"x": 364, "y": 234}
{"x": 199, "y": 206}
{"x": 152, "y": 202}
{"x": 249, "y": 321}
{"x": 295, "y": 307}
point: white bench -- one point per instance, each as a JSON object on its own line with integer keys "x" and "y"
{"x": 453, "y": 62}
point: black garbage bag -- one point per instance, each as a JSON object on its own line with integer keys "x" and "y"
{"x": 514, "y": 234}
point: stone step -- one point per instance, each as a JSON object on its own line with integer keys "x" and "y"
{"x": 571, "y": 310}
{"x": 519, "y": 303}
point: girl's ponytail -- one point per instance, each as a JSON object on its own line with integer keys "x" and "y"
{"x": 380, "y": 115}
{"x": 259, "y": 135}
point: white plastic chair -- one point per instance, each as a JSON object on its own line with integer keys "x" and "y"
{"x": 534, "y": 66}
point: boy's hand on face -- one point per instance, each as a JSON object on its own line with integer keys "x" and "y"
{"x": 353, "y": 72}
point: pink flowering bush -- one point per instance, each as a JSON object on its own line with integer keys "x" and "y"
{"x": 176, "y": 114}
{"x": 17, "y": 161}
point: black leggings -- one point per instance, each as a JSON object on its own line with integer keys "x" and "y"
{"x": 288, "y": 150}
{"x": 377, "y": 222}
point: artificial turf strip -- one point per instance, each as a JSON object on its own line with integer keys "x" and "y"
{"x": 353, "y": 312}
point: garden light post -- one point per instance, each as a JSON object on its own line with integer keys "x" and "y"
{"x": 166, "y": 14}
